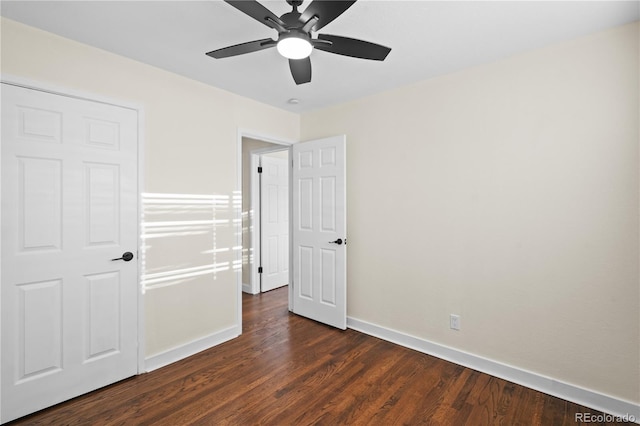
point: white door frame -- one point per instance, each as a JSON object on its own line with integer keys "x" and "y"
{"x": 71, "y": 93}
{"x": 286, "y": 144}
{"x": 255, "y": 230}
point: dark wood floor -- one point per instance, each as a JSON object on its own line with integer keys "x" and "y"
{"x": 287, "y": 370}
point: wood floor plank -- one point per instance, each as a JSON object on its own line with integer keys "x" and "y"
{"x": 287, "y": 370}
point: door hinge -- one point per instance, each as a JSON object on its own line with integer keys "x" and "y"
{"x": 259, "y": 169}
{"x": 259, "y": 269}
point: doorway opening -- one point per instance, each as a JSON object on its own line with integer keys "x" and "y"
{"x": 317, "y": 208}
{"x": 265, "y": 212}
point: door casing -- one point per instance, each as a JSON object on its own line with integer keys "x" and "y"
{"x": 286, "y": 144}
{"x": 71, "y": 93}
{"x": 244, "y": 133}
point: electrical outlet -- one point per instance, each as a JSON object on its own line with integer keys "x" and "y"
{"x": 454, "y": 322}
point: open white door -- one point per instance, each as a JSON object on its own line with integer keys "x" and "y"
{"x": 274, "y": 218}
{"x": 69, "y": 206}
{"x": 320, "y": 231}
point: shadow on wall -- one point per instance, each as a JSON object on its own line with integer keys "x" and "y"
{"x": 186, "y": 236}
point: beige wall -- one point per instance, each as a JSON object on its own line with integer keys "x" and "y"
{"x": 190, "y": 148}
{"x": 507, "y": 194}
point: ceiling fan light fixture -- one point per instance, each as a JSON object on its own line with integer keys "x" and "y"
{"x": 294, "y": 47}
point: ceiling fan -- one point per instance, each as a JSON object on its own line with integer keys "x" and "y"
{"x": 295, "y": 41}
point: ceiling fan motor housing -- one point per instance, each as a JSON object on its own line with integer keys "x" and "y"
{"x": 295, "y": 32}
{"x": 291, "y": 20}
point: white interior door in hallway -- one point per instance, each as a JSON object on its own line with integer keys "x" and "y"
{"x": 69, "y": 215}
{"x": 274, "y": 218}
{"x": 320, "y": 231}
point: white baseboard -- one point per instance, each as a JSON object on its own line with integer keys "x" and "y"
{"x": 176, "y": 354}
{"x": 548, "y": 385}
{"x": 246, "y": 288}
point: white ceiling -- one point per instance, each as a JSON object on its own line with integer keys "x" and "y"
{"x": 427, "y": 38}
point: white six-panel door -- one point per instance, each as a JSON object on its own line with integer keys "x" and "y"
{"x": 69, "y": 206}
{"x": 274, "y": 199}
{"x": 320, "y": 230}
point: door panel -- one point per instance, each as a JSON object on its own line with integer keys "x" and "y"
{"x": 327, "y": 203}
{"x": 328, "y": 277}
{"x": 69, "y": 206}
{"x": 319, "y": 218}
{"x": 103, "y": 203}
{"x": 40, "y": 203}
{"x": 39, "y": 313}
{"x": 305, "y": 200}
{"x": 103, "y": 297}
{"x": 305, "y": 272}
{"x": 38, "y": 124}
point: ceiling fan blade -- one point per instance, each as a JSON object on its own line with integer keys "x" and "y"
{"x": 300, "y": 70}
{"x": 352, "y": 47}
{"x": 242, "y": 48}
{"x": 257, "y": 12}
{"x": 325, "y": 10}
